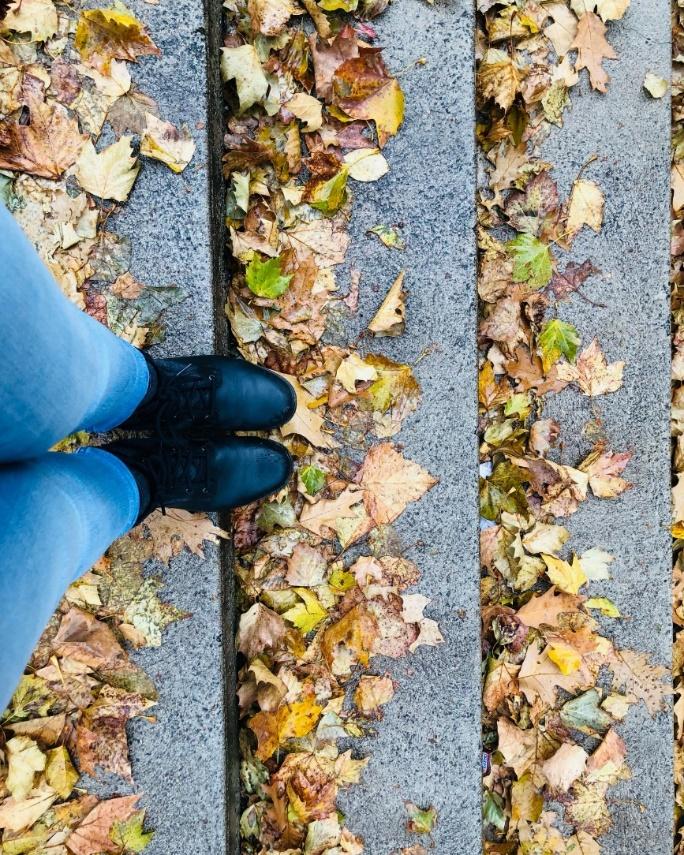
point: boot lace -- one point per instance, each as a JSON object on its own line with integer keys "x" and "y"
{"x": 176, "y": 467}
{"x": 182, "y": 399}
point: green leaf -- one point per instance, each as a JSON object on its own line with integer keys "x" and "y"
{"x": 265, "y": 278}
{"x": 583, "y": 713}
{"x": 129, "y": 835}
{"x": 329, "y": 196}
{"x": 421, "y": 821}
{"x": 389, "y": 236}
{"x": 558, "y": 339}
{"x": 493, "y": 811}
{"x": 532, "y": 262}
{"x": 313, "y": 479}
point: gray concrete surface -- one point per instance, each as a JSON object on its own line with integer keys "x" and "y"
{"x": 427, "y": 749}
{"x": 630, "y": 133}
{"x": 178, "y": 762}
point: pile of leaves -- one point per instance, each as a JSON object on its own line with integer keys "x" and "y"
{"x": 549, "y": 725}
{"x": 64, "y": 82}
{"x": 322, "y": 575}
{"x": 677, "y": 283}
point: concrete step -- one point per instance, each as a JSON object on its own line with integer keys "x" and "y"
{"x": 630, "y": 133}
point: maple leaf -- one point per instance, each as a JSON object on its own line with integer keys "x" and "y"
{"x": 60, "y": 773}
{"x": 24, "y": 760}
{"x": 572, "y": 279}
{"x": 391, "y": 482}
{"x": 420, "y": 820}
{"x": 592, "y": 373}
{"x": 363, "y": 89}
{"x": 260, "y": 629}
{"x": 306, "y": 566}
{"x": 289, "y": 722}
{"x": 308, "y": 110}
{"x": 103, "y": 35}
{"x": 93, "y": 835}
{"x": 568, "y": 578}
{"x": 604, "y": 469}
{"x": 328, "y": 56}
{"x": 45, "y": 146}
{"x": 593, "y": 49}
{"x": 350, "y": 640}
{"x": 346, "y": 516}
{"x": 532, "y": 260}
{"x": 270, "y": 17}
{"x": 129, "y": 834}
{"x": 499, "y": 78}
{"x": 179, "y": 529}
{"x": 563, "y": 31}
{"x": 110, "y": 173}
{"x": 637, "y": 675}
{"x": 520, "y": 748}
{"x": 390, "y": 319}
{"x": 540, "y": 678}
{"x": 307, "y": 614}
{"x": 557, "y": 339}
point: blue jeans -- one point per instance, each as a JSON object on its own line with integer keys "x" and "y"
{"x": 60, "y": 371}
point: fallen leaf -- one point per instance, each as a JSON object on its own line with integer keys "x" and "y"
{"x": 93, "y": 835}
{"x": 420, "y": 820}
{"x": 565, "y": 767}
{"x": 586, "y": 207}
{"x": 591, "y": 372}
{"x": 373, "y": 693}
{"x": 656, "y": 86}
{"x": 366, "y": 164}
{"x": 390, "y": 319}
{"x": 110, "y": 173}
{"x": 164, "y": 142}
{"x": 103, "y": 35}
{"x": 306, "y": 421}
{"x": 48, "y": 144}
{"x": 391, "y": 482}
{"x": 38, "y": 18}
{"x": 24, "y": 760}
{"x": 242, "y": 65}
{"x": 593, "y": 49}
{"x": 178, "y": 529}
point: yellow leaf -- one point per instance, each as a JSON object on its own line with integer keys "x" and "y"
{"x": 499, "y": 78}
{"x": 106, "y": 34}
{"x": 308, "y": 110}
{"x": 604, "y": 605}
{"x": 565, "y": 658}
{"x": 60, "y": 773}
{"x": 38, "y": 18}
{"x": 655, "y": 86}
{"x": 270, "y": 17}
{"x": 354, "y": 370}
{"x": 390, "y": 318}
{"x": 272, "y": 729}
{"x": 366, "y": 164}
{"x": 306, "y": 422}
{"x": 242, "y": 65}
{"x": 586, "y": 207}
{"x": 163, "y": 141}
{"x": 24, "y": 760}
{"x": 109, "y": 174}
{"x": 568, "y": 578}
{"x": 308, "y": 614}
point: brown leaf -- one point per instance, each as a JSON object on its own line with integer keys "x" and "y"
{"x": 82, "y": 637}
{"x": 593, "y": 48}
{"x": 391, "y": 482}
{"x": 177, "y": 529}
{"x": 48, "y": 144}
{"x": 106, "y": 34}
{"x": 92, "y": 837}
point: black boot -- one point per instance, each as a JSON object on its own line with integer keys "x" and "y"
{"x": 212, "y": 392}
{"x": 203, "y": 476}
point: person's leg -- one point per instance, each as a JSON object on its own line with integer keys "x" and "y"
{"x": 62, "y": 371}
{"x": 59, "y": 513}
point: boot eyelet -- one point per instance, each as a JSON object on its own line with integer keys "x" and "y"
{"x": 188, "y": 491}
{"x": 205, "y": 491}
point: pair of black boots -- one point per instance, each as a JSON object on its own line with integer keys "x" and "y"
{"x": 192, "y": 462}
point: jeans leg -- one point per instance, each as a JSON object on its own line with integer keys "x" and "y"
{"x": 60, "y": 370}
{"x": 59, "y": 512}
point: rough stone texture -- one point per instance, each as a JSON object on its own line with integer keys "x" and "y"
{"x": 179, "y": 761}
{"x": 630, "y": 133}
{"x": 427, "y": 748}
